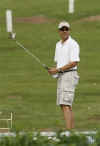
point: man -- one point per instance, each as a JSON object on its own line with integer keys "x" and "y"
{"x": 67, "y": 58}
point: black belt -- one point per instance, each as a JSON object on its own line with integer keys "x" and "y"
{"x": 68, "y": 70}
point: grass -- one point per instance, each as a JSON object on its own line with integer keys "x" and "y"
{"x": 26, "y": 88}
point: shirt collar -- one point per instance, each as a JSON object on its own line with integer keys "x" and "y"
{"x": 69, "y": 38}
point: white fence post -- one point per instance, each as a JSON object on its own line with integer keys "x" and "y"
{"x": 71, "y": 6}
{"x": 9, "y": 24}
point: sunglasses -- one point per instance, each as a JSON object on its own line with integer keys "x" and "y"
{"x": 64, "y": 29}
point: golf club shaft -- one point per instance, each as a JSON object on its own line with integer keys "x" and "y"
{"x": 31, "y": 54}
{"x": 12, "y": 36}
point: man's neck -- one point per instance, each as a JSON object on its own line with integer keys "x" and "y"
{"x": 63, "y": 40}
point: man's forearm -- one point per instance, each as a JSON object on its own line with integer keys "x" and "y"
{"x": 68, "y": 66}
{"x": 55, "y": 70}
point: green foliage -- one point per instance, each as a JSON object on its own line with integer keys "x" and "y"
{"x": 27, "y": 139}
{"x": 74, "y": 139}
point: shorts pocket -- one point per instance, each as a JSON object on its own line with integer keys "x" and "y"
{"x": 76, "y": 79}
{"x": 68, "y": 97}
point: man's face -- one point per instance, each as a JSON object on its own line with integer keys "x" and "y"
{"x": 64, "y": 33}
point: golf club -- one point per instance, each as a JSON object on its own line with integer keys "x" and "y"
{"x": 31, "y": 54}
{"x": 12, "y": 36}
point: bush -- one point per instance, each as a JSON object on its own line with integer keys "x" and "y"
{"x": 31, "y": 139}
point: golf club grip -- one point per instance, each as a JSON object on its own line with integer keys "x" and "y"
{"x": 46, "y": 67}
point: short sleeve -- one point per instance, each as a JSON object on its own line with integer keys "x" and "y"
{"x": 75, "y": 52}
{"x": 55, "y": 57}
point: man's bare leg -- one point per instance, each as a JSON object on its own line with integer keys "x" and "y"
{"x": 68, "y": 116}
{"x": 72, "y": 120}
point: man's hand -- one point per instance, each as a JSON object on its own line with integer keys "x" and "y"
{"x": 52, "y": 70}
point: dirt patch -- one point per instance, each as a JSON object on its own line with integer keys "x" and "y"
{"x": 89, "y": 19}
{"x": 95, "y": 117}
{"x": 34, "y": 20}
{"x": 4, "y": 130}
{"x": 44, "y": 19}
{"x": 15, "y": 97}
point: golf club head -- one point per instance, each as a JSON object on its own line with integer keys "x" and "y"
{"x": 12, "y": 36}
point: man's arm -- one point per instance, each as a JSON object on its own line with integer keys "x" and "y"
{"x": 55, "y": 70}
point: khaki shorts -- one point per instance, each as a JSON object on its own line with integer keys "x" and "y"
{"x": 66, "y": 87}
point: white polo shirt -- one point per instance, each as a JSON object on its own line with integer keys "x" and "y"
{"x": 67, "y": 52}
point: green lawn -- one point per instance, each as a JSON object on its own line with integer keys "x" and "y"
{"x": 26, "y": 89}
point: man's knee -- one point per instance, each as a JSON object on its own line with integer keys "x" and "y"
{"x": 66, "y": 107}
